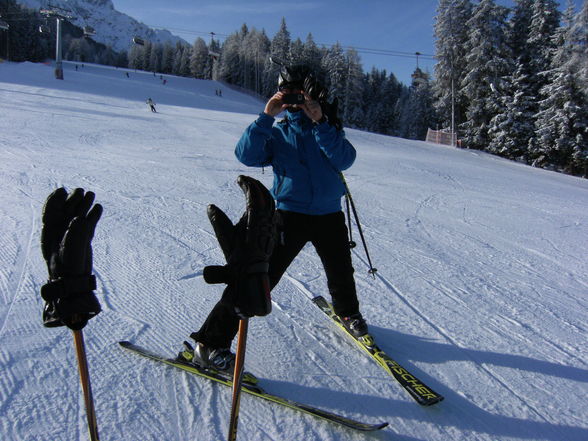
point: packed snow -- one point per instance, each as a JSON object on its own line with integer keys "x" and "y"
{"x": 481, "y": 289}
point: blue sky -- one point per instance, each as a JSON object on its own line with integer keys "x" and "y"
{"x": 400, "y": 27}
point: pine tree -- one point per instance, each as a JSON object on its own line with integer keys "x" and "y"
{"x": 214, "y": 50}
{"x": 451, "y": 40}
{"x": 540, "y": 47}
{"x": 297, "y": 52}
{"x": 200, "y": 60}
{"x": 279, "y": 52}
{"x": 312, "y": 56}
{"x": 281, "y": 43}
{"x": 230, "y": 68}
{"x": 155, "y": 57}
{"x": 510, "y": 129}
{"x": 146, "y": 49}
{"x": 136, "y": 57}
{"x": 185, "y": 62}
{"x": 487, "y": 63}
{"x": 352, "y": 100}
{"x": 335, "y": 66}
{"x": 178, "y": 58}
{"x": 418, "y": 114}
{"x": 518, "y": 30}
{"x": 167, "y": 62}
{"x": 563, "y": 118}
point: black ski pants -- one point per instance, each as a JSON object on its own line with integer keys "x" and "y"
{"x": 328, "y": 234}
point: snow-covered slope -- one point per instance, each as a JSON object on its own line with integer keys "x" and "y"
{"x": 113, "y": 28}
{"x": 482, "y": 288}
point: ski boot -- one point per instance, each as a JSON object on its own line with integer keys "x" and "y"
{"x": 355, "y": 324}
{"x": 219, "y": 361}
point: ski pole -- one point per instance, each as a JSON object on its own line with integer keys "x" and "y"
{"x": 238, "y": 378}
{"x": 86, "y": 386}
{"x": 352, "y": 243}
{"x": 372, "y": 270}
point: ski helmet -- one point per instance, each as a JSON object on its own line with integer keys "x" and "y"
{"x": 292, "y": 77}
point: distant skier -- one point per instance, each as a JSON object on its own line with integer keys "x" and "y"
{"x": 151, "y": 105}
{"x": 307, "y": 151}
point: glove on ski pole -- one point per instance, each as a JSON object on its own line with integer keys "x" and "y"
{"x": 247, "y": 247}
{"x": 69, "y": 222}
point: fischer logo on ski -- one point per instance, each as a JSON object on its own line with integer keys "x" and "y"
{"x": 421, "y": 393}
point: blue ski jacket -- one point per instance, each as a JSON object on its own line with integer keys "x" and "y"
{"x": 306, "y": 160}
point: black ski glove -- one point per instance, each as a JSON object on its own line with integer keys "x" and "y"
{"x": 247, "y": 247}
{"x": 318, "y": 93}
{"x": 66, "y": 236}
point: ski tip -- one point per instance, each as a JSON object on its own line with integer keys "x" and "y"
{"x": 381, "y": 425}
{"x": 434, "y": 401}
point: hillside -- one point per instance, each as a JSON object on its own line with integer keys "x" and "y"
{"x": 481, "y": 290}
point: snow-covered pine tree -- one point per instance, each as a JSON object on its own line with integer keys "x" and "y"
{"x": 167, "y": 62}
{"x": 214, "y": 47}
{"x": 579, "y": 40}
{"x": 136, "y": 57}
{"x": 487, "y": 62}
{"x": 518, "y": 29}
{"x": 418, "y": 112}
{"x": 254, "y": 50}
{"x": 200, "y": 60}
{"x": 312, "y": 56}
{"x": 540, "y": 47}
{"x": 297, "y": 51}
{"x": 451, "y": 36}
{"x": 510, "y": 129}
{"x": 230, "y": 68}
{"x": 373, "y": 102}
{"x": 335, "y": 67}
{"x": 353, "y": 115}
{"x": 280, "y": 52}
{"x": 530, "y": 39}
{"x": 177, "y": 64}
{"x": 390, "y": 112}
{"x": 185, "y": 62}
{"x": 155, "y": 57}
{"x": 562, "y": 121}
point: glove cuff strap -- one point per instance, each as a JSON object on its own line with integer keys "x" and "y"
{"x": 259, "y": 267}
{"x": 67, "y": 286}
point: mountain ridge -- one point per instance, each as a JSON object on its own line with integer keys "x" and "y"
{"x": 113, "y": 28}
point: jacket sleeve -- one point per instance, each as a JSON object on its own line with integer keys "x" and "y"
{"x": 254, "y": 149}
{"x": 340, "y": 153}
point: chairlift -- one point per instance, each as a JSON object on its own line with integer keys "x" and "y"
{"x": 89, "y": 31}
{"x": 139, "y": 41}
{"x": 3, "y": 25}
{"x": 44, "y": 29}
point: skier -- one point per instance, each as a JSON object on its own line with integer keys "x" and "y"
{"x": 307, "y": 151}
{"x": 151, "y": 105}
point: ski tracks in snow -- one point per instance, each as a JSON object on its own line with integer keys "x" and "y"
{"x": 14, "y": 255}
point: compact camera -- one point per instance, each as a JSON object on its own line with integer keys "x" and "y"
{"x": 293, "y": 98}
